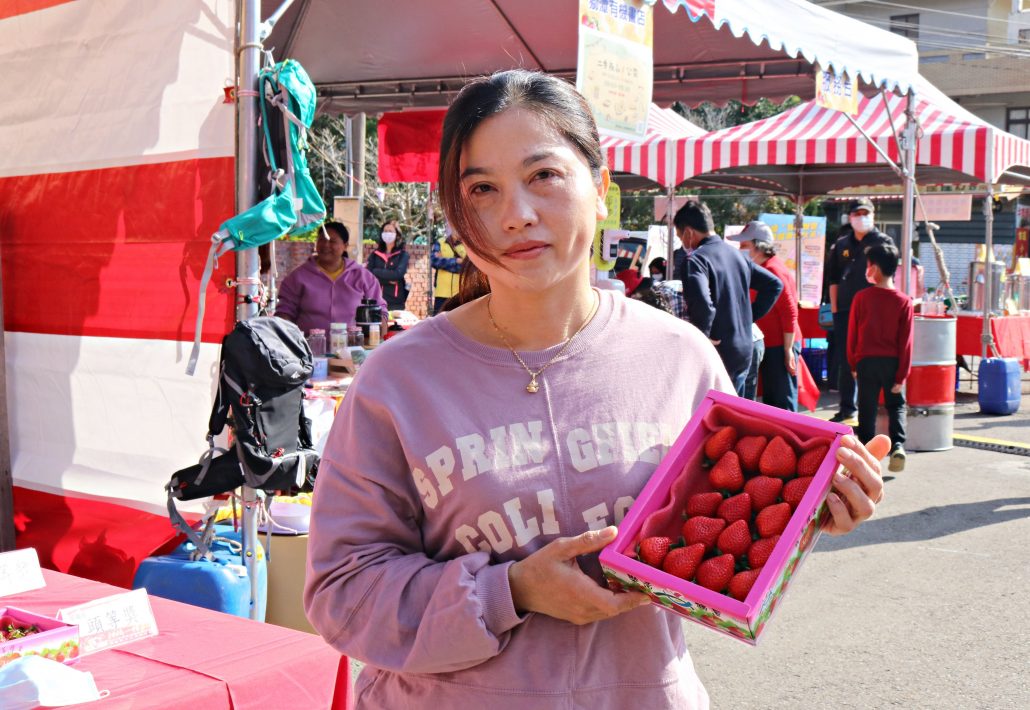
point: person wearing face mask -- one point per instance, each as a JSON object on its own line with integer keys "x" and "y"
{"x": 778, "y": 366}
{"x": 389, "y": 263}
{"x": 846, "y": 274}
{"x": 717, "y": 289}
{"x": 671, "y": 291}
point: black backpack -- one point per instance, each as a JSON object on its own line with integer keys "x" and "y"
{"x": 264, "y": 364}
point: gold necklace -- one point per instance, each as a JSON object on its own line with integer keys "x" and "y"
{"x": 533, "y": 387}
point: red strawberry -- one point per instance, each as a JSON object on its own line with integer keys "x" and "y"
{"x": 703, "y": 504}
{"x": 810, "y": 461}
{"x": 772, "y": 520}
{"x": 758, "y": 553}
{"x": 703, "y": 530}
{"x": 778, "y": 459}
{"x": 683, "y": 561}
{"x": 735, "y": 539}
{"x": 720, "y": 442}
{"x": 726, "y": 474}
{"x": 653, "y": 550}
{"x": 794, "y": 491}
{"x": 742, "y": 582}
{"x": 736, "y": 508}
{"x": 764, "y": 490}
{"x": 750, "y": 449}
{"x": 716, "y": 572}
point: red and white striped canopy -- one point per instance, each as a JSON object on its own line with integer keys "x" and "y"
{"x": 651, "y": 157}
{"x": 955, "y": 145}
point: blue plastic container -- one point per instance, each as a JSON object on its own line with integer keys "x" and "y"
{"x": 815, "y": 359}
{"x": 220, "y": 584}
{"x": 998, "y": 380}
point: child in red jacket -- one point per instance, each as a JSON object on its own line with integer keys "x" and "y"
{"x": 880, "y": 349}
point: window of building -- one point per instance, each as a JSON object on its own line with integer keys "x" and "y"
{"x": 1024, "y": 36}
{"x": 1018, "y": 121}
{"x": 906, "y": 26}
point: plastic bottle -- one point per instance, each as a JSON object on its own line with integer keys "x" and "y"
{"x": 316, "y": 341}
{"x": 337, "y": 338}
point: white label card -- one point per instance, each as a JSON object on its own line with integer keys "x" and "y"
{"x": 20, "y": 572}
{"x": 112, "y": 621}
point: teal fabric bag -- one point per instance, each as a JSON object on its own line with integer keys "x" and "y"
{"x": 294, "y": 207}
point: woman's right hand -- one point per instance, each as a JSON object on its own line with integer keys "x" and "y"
{"x": 550, "y": 582}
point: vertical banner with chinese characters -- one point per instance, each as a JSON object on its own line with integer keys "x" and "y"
{"x": 813, "y": 240}
{"x": 615, "y": 64}
{"x": 839, "y": 93}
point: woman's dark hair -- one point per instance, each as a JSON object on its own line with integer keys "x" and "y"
{"x": 397, "y": 245}
{"x": 339, "y": 228}
{"x": 696, "y": 215}
{"x": 885, "y": 256}
{"x": 554, "y": 100}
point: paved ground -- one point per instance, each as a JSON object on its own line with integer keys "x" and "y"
{"x": 925, "y": 606}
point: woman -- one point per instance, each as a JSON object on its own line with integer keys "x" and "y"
{"x": 389, "y": 263}
{"x": 457, "y": 518}
{"x": 329, "y": 287}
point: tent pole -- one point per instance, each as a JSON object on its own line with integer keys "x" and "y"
{"x": 987, "y": 338}
{"x": 799, "y": 226}
{"x": 431, "y": 291}
{"x": 908, "y": 176}
{"x": 671, "y": 227}
{"x": 247, "y": 262}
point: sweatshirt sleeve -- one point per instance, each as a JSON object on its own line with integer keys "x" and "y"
{"x": 833, "y": 265}
{"x": 442, "y": 263}
{"x": 373, "y": 590}
{"x": 767, "y": 289}
{"x": 905, "y": 340}
{"x": 288, "y": 305}
{"x": 853, "y": 326}
{"x": 697, "y": 292}
{"x": 786, "y": 310}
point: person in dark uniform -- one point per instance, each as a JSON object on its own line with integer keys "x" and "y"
{"x": 847, "y": 277}
{"x": 717, "y": 290}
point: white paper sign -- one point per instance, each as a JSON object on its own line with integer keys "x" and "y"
{"x": 112, "y": 621}
{"x": 20, "y": 572}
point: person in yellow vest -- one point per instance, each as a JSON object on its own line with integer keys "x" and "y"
{"x": 446, "y": 258}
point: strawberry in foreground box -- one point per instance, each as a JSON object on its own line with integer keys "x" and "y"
{"x": 719, "y": 530}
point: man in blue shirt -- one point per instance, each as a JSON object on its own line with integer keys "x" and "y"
{"x": 717, "y": 289}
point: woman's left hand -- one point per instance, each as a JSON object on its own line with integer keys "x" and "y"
{"x": 859, "y": 487}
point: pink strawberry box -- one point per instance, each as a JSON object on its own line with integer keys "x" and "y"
{"x": 659, "y": 507}
{"x": 56, "y": 640}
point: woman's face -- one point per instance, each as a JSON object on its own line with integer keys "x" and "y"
{"x": 535, "y": 196}
{"x": 329, "y": 251}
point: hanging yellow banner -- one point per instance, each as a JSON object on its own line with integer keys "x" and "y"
{"x": 615, "y": 63}
{"x": 839, "y": 93}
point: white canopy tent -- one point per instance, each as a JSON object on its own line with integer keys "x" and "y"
{"x": 374, "y": 57}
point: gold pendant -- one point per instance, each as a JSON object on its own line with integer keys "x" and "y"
{"x": 533, "y": 387}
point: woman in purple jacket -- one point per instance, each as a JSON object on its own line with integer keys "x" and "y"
{"x": 328, "y": 287}
{"x": 479, "y": 463}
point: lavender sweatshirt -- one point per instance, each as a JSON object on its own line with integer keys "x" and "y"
{"x": 441, "y": 470}
{"x": 311, "y": 299}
